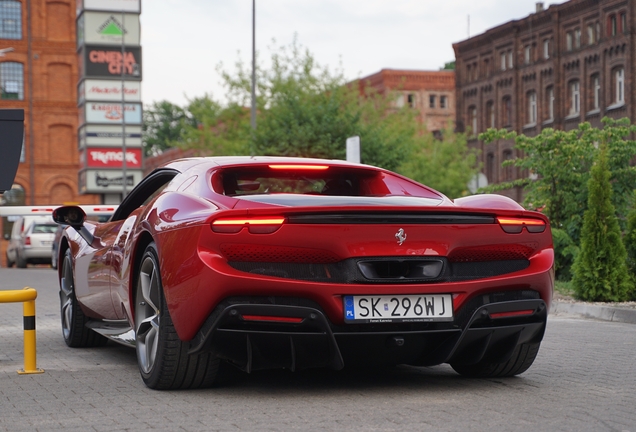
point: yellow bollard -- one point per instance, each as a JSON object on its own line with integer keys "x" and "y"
{"x": 27, "y": 296}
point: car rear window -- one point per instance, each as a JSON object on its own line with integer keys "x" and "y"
{"x": 308, "y": 180}
{"x": 44, "y": 229}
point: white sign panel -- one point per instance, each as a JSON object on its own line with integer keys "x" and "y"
{"x": 100, "y": 181}
{"x": 108, "y": 136}
{"x": 108, "y": 28}
{"x": 133, "y": 6}
{"x": 108, "y": 90}
{"x": 111, "y": 113}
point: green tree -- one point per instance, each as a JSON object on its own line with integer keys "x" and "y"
{"x": 630, "y": 241}
{"x": 446, "y": 165}
{"x": 306, "y": 110}
{"x": 164, "y": 124}
{"x": 560, "y": 162}
{"x": 600, "y": 269}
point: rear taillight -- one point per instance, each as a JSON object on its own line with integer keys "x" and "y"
{"x": 292, "y": 167}
{"x": 255, "y": 225}
{"x": 27, "y": 241}
{"x": 514, "y": 225}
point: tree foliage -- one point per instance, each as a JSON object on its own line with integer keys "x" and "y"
{"x": 560, "y": 162}
{"x": 446, "y": 165}
{"x": 164, "y": 126}
{"x": 600, "y": 269}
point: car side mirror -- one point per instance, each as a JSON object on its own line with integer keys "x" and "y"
{"x": 70, "y": 215}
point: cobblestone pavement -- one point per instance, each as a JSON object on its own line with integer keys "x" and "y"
{"x": 582, "y": 380}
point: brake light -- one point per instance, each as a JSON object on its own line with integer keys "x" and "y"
{"x": 272, "y": 318}
{"x": 511, "y": 314}
{"x": 256, "y": 225}
{"x": 513, "y": 225}
{"x": 27, "y": 241}
{"x": 299, "y": 167}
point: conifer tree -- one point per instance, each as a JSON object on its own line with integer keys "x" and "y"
{"x": 630, "y": 240}
{"x": 600, "y": 269}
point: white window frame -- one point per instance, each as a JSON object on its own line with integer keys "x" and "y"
{"x": 575, "y": 98}
{"x": 596, "y": 92}
{"x": 526, "y": 54}
{"x": 568, "y": 41}
{"x": 510, "y": 60}
{"x": 590, "y": 34}
{"x": 619, "y": 77}
{"x": 577, "y": 38}
{"x": 503, "y": 61}
{"x": 532, "y": 107}
{"x": 546, "y": 49}
{"x": 550, "y": 97}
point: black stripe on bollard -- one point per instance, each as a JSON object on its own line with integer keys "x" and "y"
{"x": 29, "y": 323}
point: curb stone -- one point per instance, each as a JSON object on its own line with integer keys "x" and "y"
{"x": 603, "y": 313}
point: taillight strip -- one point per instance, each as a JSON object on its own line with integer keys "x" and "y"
{"x": 513, "y": 225}
{"x": 511, "y": 314}
{"x": 299, "y": 167}
{"x": 272, "y": 318}
{"x": 256, "y": 225}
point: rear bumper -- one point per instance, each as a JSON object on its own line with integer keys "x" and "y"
{"x": 492, "y": 331}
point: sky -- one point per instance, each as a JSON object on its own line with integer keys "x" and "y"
{"x": 185, "y": 41}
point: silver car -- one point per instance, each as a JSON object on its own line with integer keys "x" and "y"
{"x": 35, "y": 244}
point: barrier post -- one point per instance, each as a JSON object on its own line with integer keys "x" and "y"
{"x": 27, "y": 296}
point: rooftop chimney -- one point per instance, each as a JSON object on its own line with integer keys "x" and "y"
{"x": 539, "y": 7}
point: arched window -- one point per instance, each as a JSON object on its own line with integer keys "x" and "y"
{"x": 595, "y": 92}
{"x": 549, "y": 103}
{"x": 10, "y": 19}
{"x": 575, "y": 97}
{"x": 532, "y": 107}
{"x": 472, "y": 119}
{"x": 12, "y": 80}
{"x": 619, "y": 85}
{"x": 506, "y": 111}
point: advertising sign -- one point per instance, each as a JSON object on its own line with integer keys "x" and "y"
{"x": 100, "y": 181}
{"x": 109, "y": 5}
{"x": 108, "y": 136}
{"x": 110, "y": 113}
{"x": 110, "y": 158}
{"x": 108, "y": 90}
{"x": 106, "y": 62}
{"x": 105, "y": 28}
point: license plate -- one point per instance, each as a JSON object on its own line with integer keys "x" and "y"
{"x": 398, "y": 308}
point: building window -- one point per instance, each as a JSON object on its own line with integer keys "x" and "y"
{"x": 549, "y": 98}
{"x": 623, "y": 28}
{"x": 527, "y": 53}
{"x": 575, "y": 98}
{"x": 546, "y": 49}
{"x": 12, "y": 80}
{"x": 619, "y": 85}
{"x": 590, "y": 34}
{"x": 577, "y": 38}
{"x": 510, "y": 62}
{"x": 472, "y": 120}
{"x": 611, "y": 25}
{"x": 503, "y": 61}
{"x": 431, "y": 101}
{"x": 532, "y": 107}
{"x": 399, "y": 102}
{"x": 507, "y": 155}
{"x": 490, "y": 114}
{"x": 10, "y": 19}
{"x": 596, "y": 92}
{"x": 468, "y": 75}
{"x": 506, "y": 111}
{"x": 490, "y": 167}
{"x": 598, "y": 31}
{"x": 410, "y": 98}
{"x": 443, "y": 101}
{"x": 568, "y": 41}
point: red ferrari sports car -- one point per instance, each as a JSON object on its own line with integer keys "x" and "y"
{"x": 270, "y": 262}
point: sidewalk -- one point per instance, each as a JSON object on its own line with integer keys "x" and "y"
{"x": 616, "y": 312}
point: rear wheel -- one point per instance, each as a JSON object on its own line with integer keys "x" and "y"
{"x": 9, "y": 262}
{"x": 163, "y": 359}
{"x": 74, "y": 330}
{"x": 21, "y": 262}
{"x": 522, "y": 358}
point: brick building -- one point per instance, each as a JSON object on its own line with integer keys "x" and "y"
{"x": 556, "y": 68}
{"x": 431, "y": 92}
{"x": 38, "y": 73}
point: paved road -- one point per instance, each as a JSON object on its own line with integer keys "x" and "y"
{"x": 583, "y": 380}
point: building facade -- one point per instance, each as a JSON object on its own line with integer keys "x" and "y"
{"x": 556, "y": 68}
{"x": 38, "y": 73}
{"x": 432, "y": 93}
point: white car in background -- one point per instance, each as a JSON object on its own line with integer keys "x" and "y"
{"x": 17, "y": 240}
{"x": 35, "y": 244}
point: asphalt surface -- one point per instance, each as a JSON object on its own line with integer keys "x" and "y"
{"x": 582, "y": 380}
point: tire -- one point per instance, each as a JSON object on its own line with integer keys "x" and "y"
{"x": 163, "y": 359}
{"x": 522, "y": 358}
{"x": 74, "y": 330}
{"x": 20, "y": 262}
{"x": 9, "y": 262}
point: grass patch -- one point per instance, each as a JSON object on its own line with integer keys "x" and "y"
{"x": 564, "y": 288}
